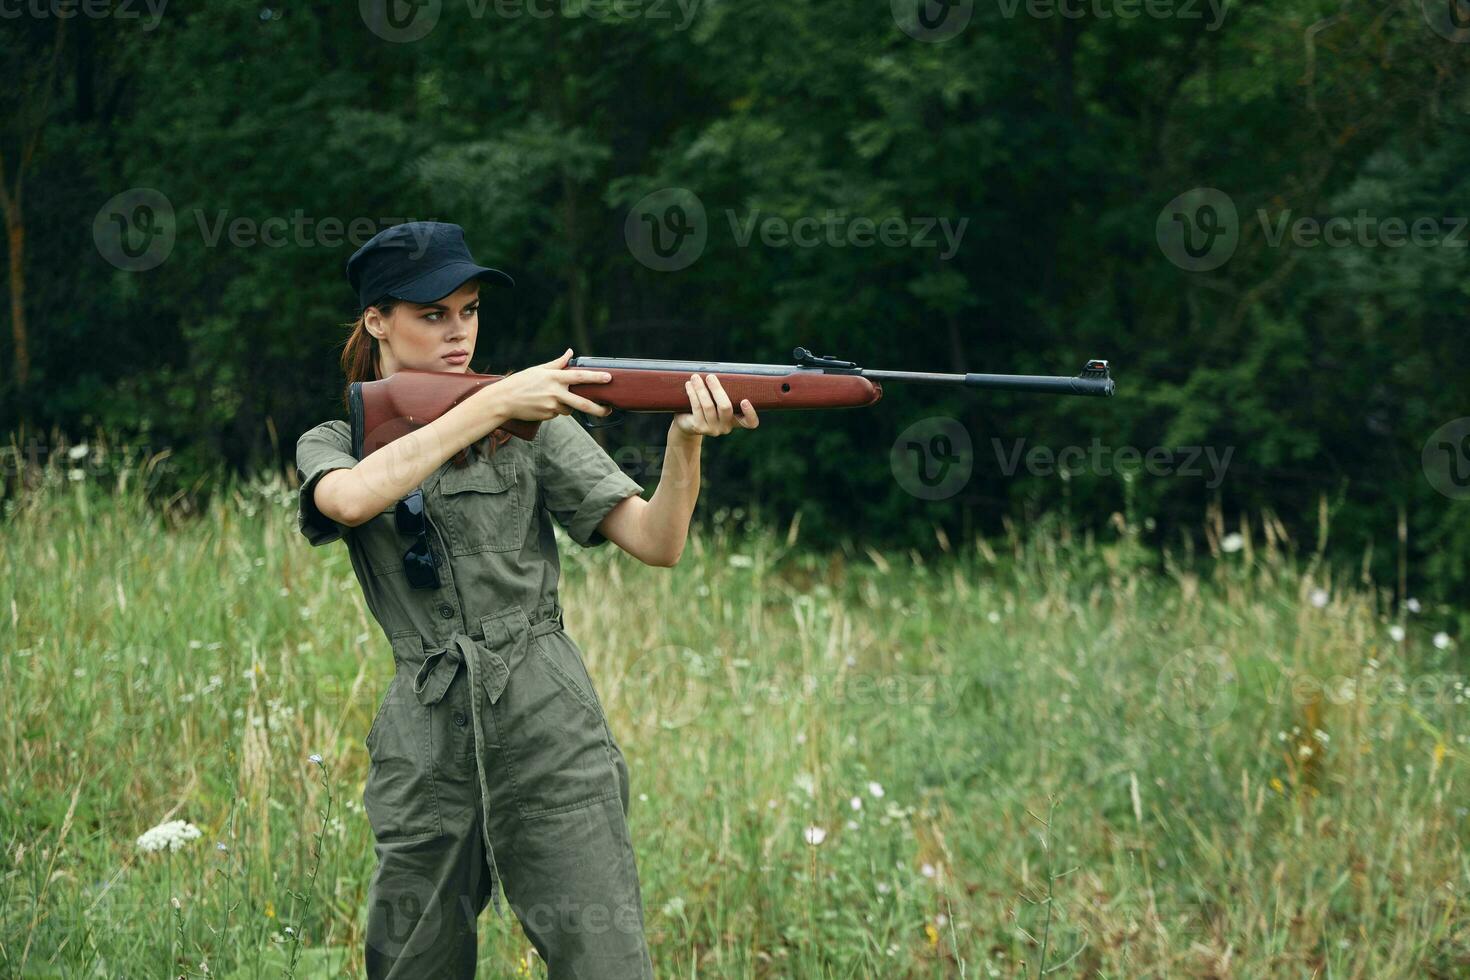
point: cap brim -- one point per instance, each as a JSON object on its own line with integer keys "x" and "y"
{"x": 445, "y": 280}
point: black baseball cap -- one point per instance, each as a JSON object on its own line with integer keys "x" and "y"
{"x": 418, "y": 261}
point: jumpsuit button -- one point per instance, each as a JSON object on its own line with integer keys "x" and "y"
{"x": 459, "y": 718}
{"x": 446, "y": 610}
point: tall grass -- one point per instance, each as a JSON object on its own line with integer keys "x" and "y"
{"x": 1049, "y": 754}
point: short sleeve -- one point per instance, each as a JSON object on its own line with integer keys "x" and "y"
{"x": 579, "y": 482}
{"x": 319, "y": 451}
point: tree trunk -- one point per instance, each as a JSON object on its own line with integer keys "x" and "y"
{"x": 15, "y": 234}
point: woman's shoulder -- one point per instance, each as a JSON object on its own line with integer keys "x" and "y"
{"x": 332, "y": 428}
{"x": 333, "y": 433}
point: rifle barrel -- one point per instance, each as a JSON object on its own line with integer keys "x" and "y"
{"x": 1096, "y": 387}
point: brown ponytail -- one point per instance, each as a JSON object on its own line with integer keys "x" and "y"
{"x": 360, "y": 363}
{"x": 360, "y": 353}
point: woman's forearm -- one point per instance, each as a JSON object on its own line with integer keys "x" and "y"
{"x": 394, "y": 471}
{"x": 666, "y": 518}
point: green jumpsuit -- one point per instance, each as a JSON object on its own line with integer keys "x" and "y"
{"x": 490, "y": 756}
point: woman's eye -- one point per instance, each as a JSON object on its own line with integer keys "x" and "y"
{"x": 433, "y": 317}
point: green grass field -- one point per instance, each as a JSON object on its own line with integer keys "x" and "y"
{"x": 1049, "y": 753}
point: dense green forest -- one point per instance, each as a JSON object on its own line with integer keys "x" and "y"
{"x": 1255, "y": 210}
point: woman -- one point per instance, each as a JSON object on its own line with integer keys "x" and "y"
{"x": 490, "y": 756}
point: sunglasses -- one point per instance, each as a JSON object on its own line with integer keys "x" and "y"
{"x": 418, "y": 560}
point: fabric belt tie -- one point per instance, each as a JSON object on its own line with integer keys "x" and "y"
{"x": 484, "y": 656}
{"x": 439, "y": 668}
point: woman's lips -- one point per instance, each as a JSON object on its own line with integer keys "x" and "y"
{"x": 457, "y": 358}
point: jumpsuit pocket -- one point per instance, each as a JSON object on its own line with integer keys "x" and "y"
{"x": 399, "y": 796}
{"x": 565, "y": 663}
{"x": 482, "y": 503}
{"x": 552, "y": 730}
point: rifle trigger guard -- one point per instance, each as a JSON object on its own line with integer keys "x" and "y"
{"x": 593, "y": 422}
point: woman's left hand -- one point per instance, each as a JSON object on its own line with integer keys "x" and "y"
{"x": 710, "y": 412}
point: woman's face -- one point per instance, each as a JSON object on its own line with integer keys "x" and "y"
{"x": 437, "y": 336}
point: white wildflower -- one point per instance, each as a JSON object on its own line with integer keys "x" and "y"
{"x": 75, "y": 475}
{"x": 807, "y": 782}
{"x": 1442, "y": 641}
{"x": 741, "y": 561}
{"x": 876, "y": 790}
{"x": 993, "y": 616}
{"x": 1396, "y": 633}
{"x": 815, "y": 835}
{"x": 1319, "y": 598}
{"x": 1412, "y": 605}
{"x": 314, "y": 757}
{"x": 77, "y": 451}
{"x": 856, "y": 802}
{"x": 168, "y": 836}
{"x": 927, "y": 870}
{"x": 1232, "y": 543}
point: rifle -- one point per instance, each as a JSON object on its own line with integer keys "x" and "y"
{"x": 388, "y": 409}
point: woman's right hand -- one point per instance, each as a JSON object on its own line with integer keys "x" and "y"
{"x": 538, "y": 393}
